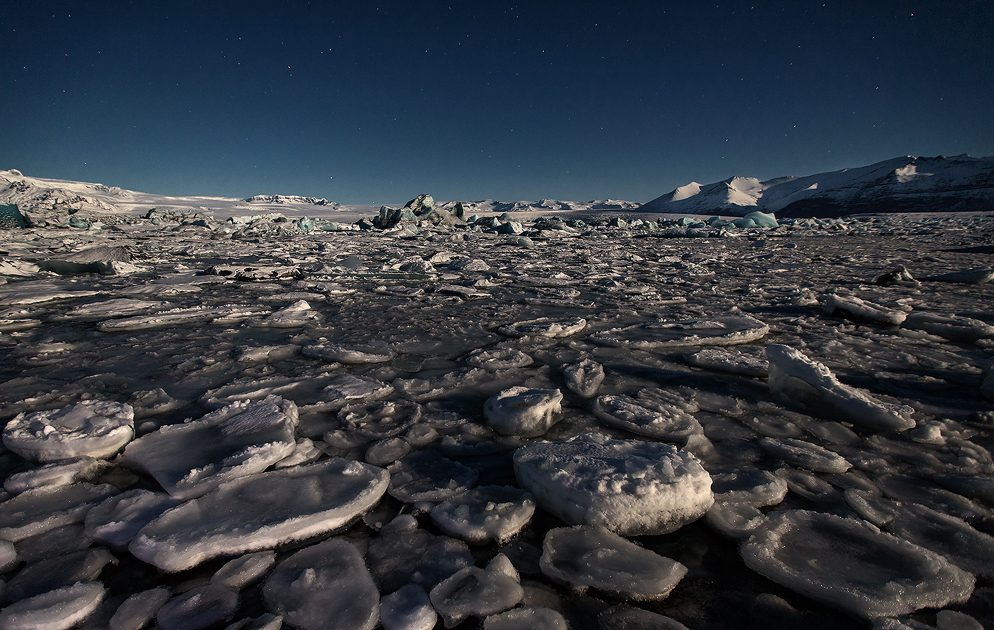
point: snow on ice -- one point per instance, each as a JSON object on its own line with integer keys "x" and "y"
{"x": 428, "y": 420}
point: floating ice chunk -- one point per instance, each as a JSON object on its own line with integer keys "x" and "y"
{"x": 897, "y": 276}
{"x": 254, "y": 274}
{"x": 265, "y": 621}
{"x": 756, "y": 487}
{"x": 294, "y": 316}
{"x": 545, "y": 327}
{"x": 584, "y": 557}
{"x": 8, "y": 556}
{"x": 407, "y": 608}
{"x": 91, "y": 428}
{"x": 192, "y": 458}
{"x": 260, "y": 512}
{"x": 240, "y": 572}
{"x": 796, "y": 377}
{"x": 629, "y": 486}
{"x": 951, "y": 537}
{"x": 37, "y": 511}
{"x": 116, "y": 520}
{"x": 977, "y": 275}
{"x": 466, "y": 293}
{"x": 811, "y": 487}
{"x": 474, "y": 592}
{"x": 523, "y": 411}
{"x": 427, "y": 476}
{"x": 375, "y": 421}
{"x": 59, "y": 473}
{"x": 303, "y": 453}
{"x": 805, "y": 455}
{"x": 180, "y": 316}
{"x": 327, "y": 582}
{"x": 915, "y": 490}
{"x": 584, "y": 378}
{"x": 345, "y": 388}
{"x": 498, "y": 358}
{"x": 731, "y": 361}
{"x": 855, "y": 308}
{"x": 735, "y": 520}
{"x": 530, "y": 618}
{"x": 46, "y": 575}
{"x": 646, "y": 417}
{"x": 968, "y": 485}
{"x": 153, "y": 402}
{"x": 387, "y": 451}
{"x": 261, "y": 354}
{"x": 952, "y": 327}
{"x": 139, "y": 609}
{"x": 404, "y": 554}
{"x": 665, "y": 335}
{"x": 954, "y": 620}
{"x": 349, "y": 354}
{"x": 245, "y": 389}
{"x": 636, "y": 619}
{"x": 848, "y": 564}
{"x": 38, "y": 291}
{"x": 200, "y": 607}
{"x": 484, "y": 514}
{"x": 60, "y": 609}
{"x": 117, "y": 307}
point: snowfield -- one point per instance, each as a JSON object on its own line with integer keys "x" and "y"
{"x": 429, "y": 419}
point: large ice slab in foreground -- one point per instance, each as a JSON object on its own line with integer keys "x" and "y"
{"x": 796, "y": 377}
{"x": 91, "y": 428}
{"x": 60, "y": 609}
{"x": 850, "y": 565}
{"x": 628, "y": 486}
{"x": 192, "y": 458}
{"x": 260, "y": 512}
{"x": 594, "y": 557}
{"x": 322, "y": 586}
{"x": 664, "y": 335}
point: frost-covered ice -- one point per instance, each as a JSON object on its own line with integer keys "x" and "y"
{"x": 799, "y": 379}
{"x": 324, "y": 582}
{"x": 678, "y": 314}
{"x": 200, "y": 607}
{"x": 192, "y": 458}
{"x": 59, "y": 609}
{"x": 523, "y": 411}
{"x": 261, "y": 511}
{"x": 92, "y": 428}
{"x": 849, "y": 564}
{"x": 586, "y": 557}
{"x": 628, "y": 486}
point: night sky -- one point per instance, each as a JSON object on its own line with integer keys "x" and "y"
{"x": 366, "y": 102}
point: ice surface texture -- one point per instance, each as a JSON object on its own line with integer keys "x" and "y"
{"x": 91, "y": 428}
{"x": 261, "y": 511}
{"x": 664, "y": 335}
{"x": 848, "y": 564}
{"x": 628, "y": 486}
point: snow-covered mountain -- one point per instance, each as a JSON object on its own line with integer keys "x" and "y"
{"x": 903, "y": 184}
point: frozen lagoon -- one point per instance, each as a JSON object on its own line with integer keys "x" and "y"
{"x": 388, "y": 344}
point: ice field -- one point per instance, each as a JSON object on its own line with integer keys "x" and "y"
{"x": 424, "y": 421}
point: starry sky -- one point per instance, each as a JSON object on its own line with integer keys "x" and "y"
{"x": 377, "y": 101}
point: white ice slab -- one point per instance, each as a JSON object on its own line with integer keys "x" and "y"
{"x": 407, "y": 608}
{"x": 261, "y": 511}
{"x": 629, "y": 486}
{"x": 192, "y": 458}
{"x": 91, "y": 428}
{"x": 731, "y": 361}
{"x": 859, "y": 309}
{"x": 38, "y": 511}
{"x": 485, "y": 514}
{"x": 353, "y": 354}
{"x": 139, "y": 609}
{"x": 499, "y": 358}
{"x": 522, "y": 411}
{"x": 796, "y": 377}
{"x": 474, "y": 592}
{"x": 324, "y": 585}
{"x": 663, "y": 336}
{"x": 646, "y": 417}
{"x": 545, "y": 327}
{"x": 59, "y": 473}
{"x": 530, "y": 618}
{"x": 584, "y": 378}
{"x": 116, "y": 520}
{"x": 60, "y": 609}
{"x": 585, "y": 557}
{"x": 804, "y": 454}
{"x": 850, "y": 565}
{"x": 200, "y": 607}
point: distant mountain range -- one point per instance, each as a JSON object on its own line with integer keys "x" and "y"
{"x": 903, "y": 184}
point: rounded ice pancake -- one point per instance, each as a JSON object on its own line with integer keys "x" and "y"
{"x": 850, "y": 565}
{"x": 646, "y": 417}
{"x": 664, "y": 335}
{"x": 584, "y": 557}
{"x": 91, "y": 428}
{"x": 584, "y": 378}
{"x": 60, "y": 609}
{"x": 523, "y": 411}
{"x": 484, "y": 514}
{"x": 325, "y": 583}
{"x": 544, "y": 327}
{"x": 261, "y": 511}
{"x": 628, "y": 486}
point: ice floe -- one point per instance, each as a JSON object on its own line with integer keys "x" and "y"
{"x": 261, "y": 511}
{"x": 585, "y": 557}
{"x": 475, "y": 592}
{"x": 584, "y": 378}
{"x": 59, "y": 609}
{"x": 91, "y": 428}
{"x": 485, "y": 514}
{"x": 628, "y": 486}
{"x": 645, "y": 416}
{"x": 848, "y": 564}
{"x": 37, "y": 511}
{"x": 545, "y": 327}
{"x": 523, "y": 411}
{"x": 665, "y": 335}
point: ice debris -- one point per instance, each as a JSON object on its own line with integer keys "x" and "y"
{"x": 91, "y": 428}
{"x": 475, "y": 592}
{"x": 628, "y": 486}
{"x": 200, "y": 607}
{"x": 407, "y": 608}
{"x": 522, "y": 411}
{"x": 644, "y": 416}
{"x": 544, "y": 327}
{"x": 665, "y": 335}
{"x": 261, "y": 511}
{"x": 584, "y": 378}
{"x": 485, "y": 514}
{"x": 139, "y": 609}
{"x": 797, "y": 378}
{"x": 117, "y": 519}
{"x": 40, "y": 510}
{"x": 59, "y": 609}
{"x": 528, "y": 618}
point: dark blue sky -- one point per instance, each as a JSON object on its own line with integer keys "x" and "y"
{"x": 366, "y": 102}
